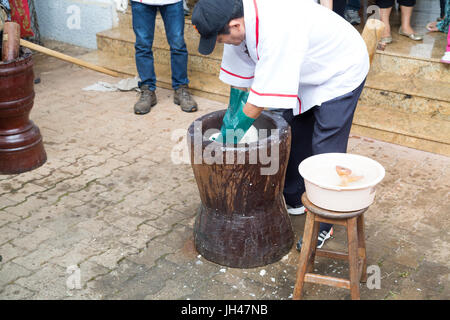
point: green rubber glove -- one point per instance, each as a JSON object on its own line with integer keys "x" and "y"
{"x": 235, "y": 122}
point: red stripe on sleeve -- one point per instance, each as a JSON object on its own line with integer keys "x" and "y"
{"x": 282, "y": 96}
{"x": 235, "y": 75}
{"x": 275, "y": 94}
{"x": 257, "y": 28}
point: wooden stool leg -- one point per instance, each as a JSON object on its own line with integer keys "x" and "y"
{"x": 362, "y": 248}
{"x": 352, "y": 236}
{"x": 304, "y": 255}
{"x": 315, "y": 235}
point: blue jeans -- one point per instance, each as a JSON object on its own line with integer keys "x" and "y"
{"x": 144, "y": 27}
{"x": 353, "y": 5}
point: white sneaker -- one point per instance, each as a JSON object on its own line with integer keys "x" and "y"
{"x": 323, "y": 236}
{"x": 446, "y": 57}
{"x": 295, "y": 211}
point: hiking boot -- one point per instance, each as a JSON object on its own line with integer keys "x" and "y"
{"x": 146, "y": 101}
{"x": 183, "y": 98}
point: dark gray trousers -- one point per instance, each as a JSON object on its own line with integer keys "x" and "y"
{"x": 319, "y": 130}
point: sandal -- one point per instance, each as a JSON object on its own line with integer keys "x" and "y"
{"x": 412, "y": 36}
{"x": 386, "y": 40}
{"x": 432, "y": 26}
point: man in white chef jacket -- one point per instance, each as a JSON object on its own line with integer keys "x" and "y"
{"x": 296, "y": 57}
{"x": 144, "y": 15}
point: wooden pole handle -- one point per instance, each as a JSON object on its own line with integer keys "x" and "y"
{"x": 10, "y": 41}
{"x": 67, "y": 58}
{"x": 371, "y": 34}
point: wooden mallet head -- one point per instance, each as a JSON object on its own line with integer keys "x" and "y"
{"x": 10, "y": 41}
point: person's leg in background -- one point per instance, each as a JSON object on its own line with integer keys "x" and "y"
{"x": 173, "y": 17}
{"x": 331, "y": 132}
{"x": 442, "y": 7}
{"x": 143, "y": 16}
{"x": 385, "y": 13}
{"x": 352, "y": 12}
{"x": 339, "y": 7}
{"x": 302, "y": 127}
{"x": 406, "y": 9}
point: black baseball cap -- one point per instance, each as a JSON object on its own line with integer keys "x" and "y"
{"x": 209, "y": 17}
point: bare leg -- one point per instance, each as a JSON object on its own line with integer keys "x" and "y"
{"x": 406, "y": 13}
{"x": 385, "y": 13}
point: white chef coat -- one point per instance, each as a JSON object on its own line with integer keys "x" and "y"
{"x": 300, "y": 54}
{"x": 157, "y": 2}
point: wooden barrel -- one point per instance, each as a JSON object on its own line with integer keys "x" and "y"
{"x": 242, "y": 220}
{"x": 21, "y": 147}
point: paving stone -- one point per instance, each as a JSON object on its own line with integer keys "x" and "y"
{"x": 92, "y": 190}
{"x": 9, "y": 252}
{"x": 7, "y": 218}
{"x": 6, "y": 203}
{"x": 10, "y": 272}
{"x": 49, "y": 282}
{"x": 78, "y": 254}
{"x": 167, "y": 220}
{"x": 24, "y": 208}
{"x": 31, "y": 241}
{"x": 172, "y": 291}
{"x": 113, "y": 283}
{"x": 111, "y": 257}
{"x": 25, "y": 192}
{"x": 140, "y": 238}
{"x": 38, "y": 258}
{"x": 15, "y": 292}
{"x": 177, "y": 237}
{"x": 155, "y": 251}
{"x": 7, "y": 234}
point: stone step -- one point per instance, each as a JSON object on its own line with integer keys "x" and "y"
{"x": 411, "y": 130}
{"x": 121, "y": 42}
{"x": 117, "y": 41}
{"x": 201, "y": 84}
{"x": 410, "y": 67}
{"x": 430, "y": 98}
{"x": 126, "y": 36}
{"x": 125, "y": 19}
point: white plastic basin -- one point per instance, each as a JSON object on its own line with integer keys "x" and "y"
{"x": 322, "y": 182}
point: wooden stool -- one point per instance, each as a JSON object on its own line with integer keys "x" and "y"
{"x": 356, "y": 256}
